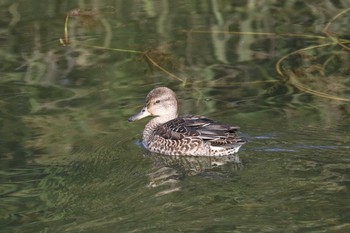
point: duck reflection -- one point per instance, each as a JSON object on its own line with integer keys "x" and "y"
{"x": 169, "y": 170}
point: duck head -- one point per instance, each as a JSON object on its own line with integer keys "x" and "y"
{"x": 161, "y": 102}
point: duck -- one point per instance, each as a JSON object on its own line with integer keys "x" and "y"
{"x": 189, "y": 135}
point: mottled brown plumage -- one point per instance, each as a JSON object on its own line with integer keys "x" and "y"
{"x": 186, "y": 135}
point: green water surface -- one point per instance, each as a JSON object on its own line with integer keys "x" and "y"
{"x": 70, "y": 161}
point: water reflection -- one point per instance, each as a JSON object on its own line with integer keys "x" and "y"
{"x": 169, "y": 170}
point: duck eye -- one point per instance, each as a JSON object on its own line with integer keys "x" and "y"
{"x": 158, "y": 101}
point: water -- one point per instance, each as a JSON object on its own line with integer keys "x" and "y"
{"x": 70, "y": 161}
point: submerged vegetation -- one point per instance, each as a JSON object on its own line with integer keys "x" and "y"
{"x": 157, "y": 59}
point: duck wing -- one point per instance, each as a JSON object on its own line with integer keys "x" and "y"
{"x": 199, "y": 127}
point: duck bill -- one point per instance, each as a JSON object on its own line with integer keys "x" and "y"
{"x": 143, "y": 113}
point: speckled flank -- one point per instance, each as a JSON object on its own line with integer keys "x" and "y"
{"x": 185, "y": 146}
